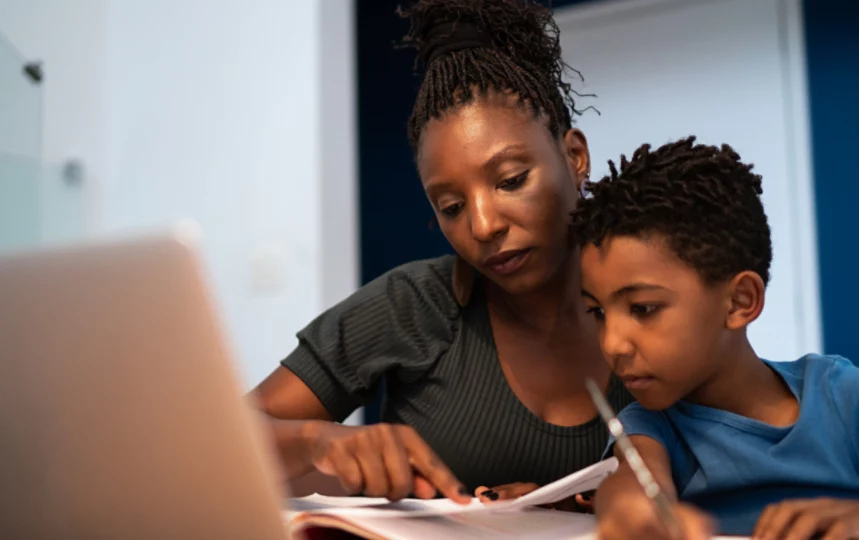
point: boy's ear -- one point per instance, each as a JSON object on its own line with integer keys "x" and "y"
{"x": 746, "y": 293}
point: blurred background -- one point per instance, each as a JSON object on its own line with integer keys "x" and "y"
{"x": 279, "y": 126}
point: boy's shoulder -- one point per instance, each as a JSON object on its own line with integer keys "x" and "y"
{"x": 815, "y": 369}
{"x": 810, "y": 369}
{"x": 812, "y": 362}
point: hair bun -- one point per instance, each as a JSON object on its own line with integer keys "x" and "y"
{"x": 447, "y": 37}
{"x": 523, "y": 29}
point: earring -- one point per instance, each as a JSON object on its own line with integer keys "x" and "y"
{"x": 583, "y": 188}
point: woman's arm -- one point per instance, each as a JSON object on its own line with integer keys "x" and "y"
{"x": 294, "y": 414}
{"x": 382, "y": 460}
{"x": 402, "y": 321}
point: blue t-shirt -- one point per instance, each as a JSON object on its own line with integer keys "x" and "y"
{"x": 733, "y": 466}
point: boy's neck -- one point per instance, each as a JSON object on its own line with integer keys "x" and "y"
{"x": 746, "y": 386}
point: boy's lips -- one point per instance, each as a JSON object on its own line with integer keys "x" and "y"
{"x": 637, "y": 382}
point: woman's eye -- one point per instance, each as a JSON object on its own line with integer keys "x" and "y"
{"x": 452, "y": 210}
{"x": 597, "y": 312}
{"x": 644, "y": 310}
{"x": 512, "y": 183}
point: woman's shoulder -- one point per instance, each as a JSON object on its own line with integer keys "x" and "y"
{"x": 416, "y": 285}
{"x": 403, "y": 320}
{"x": 435, "y": 272}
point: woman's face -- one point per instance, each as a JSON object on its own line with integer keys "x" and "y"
{"x": 502, "y": 187}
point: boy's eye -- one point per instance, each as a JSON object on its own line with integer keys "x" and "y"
{"x": 452, "y": 210}
{"x": 597, "y": 312}
{"x": 512, "y": 183}
{"x": 644, "y": 310}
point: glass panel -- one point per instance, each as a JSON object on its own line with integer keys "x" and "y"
{"x": 20, "y": 106}
{"x": 19, "y": 202}
{"x": 38, "y": 204}
{"x": 62, "y": 205}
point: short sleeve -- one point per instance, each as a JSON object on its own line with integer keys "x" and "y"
{"x": 658, "y": 426}
{"x": 398, "y": 325}
{"x": 844, "y": 388}
{"x": 637, "y": 420}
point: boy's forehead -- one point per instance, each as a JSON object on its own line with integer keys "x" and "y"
{"x": 620, "y": 261}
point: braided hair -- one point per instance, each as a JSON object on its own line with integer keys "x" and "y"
{"x": 702, "y": 199}
{"x": 471, "y": 48}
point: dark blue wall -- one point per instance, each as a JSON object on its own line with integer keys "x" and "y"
{"x": 832, "y": 43}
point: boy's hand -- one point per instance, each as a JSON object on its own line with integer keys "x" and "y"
{"x": 806, "y": 518}
{"x": 582, "y": 502}
{"x": 632, "y": 515}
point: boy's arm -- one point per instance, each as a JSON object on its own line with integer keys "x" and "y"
{"x": 623, "y": 509}
{"x": 655, "y": 457}
{"x": 836, "y": 518}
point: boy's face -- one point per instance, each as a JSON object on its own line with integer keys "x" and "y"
{"x": 660, "y": 325}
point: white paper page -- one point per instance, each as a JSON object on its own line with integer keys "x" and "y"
{"x": 410, "y": 508}
{"x": 320, "y": 502}
{"x": 583, "y": 480}
{"x": 532, "y": 524}
{"x": 527, "y": 524}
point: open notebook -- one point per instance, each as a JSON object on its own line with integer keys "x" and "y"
{"x": 318, "y": 516}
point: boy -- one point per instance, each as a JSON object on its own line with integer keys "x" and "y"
{"x": 676, "y": 255}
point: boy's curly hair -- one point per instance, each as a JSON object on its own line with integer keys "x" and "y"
{"x": 702, "y": 199}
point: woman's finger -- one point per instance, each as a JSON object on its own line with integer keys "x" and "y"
{"x": 396, "y": 463}
{"x": 584, "y": 503}
{"x": 368, "y": 454}
{"x": 340, "y": 462}
{"x": 427, "y": 463}
{"x": 514, "y": 491}
{"x": 424, "y": 488}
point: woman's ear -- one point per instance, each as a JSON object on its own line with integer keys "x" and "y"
{"x": 746, "y": 294}
{"x": 578, "y": 155}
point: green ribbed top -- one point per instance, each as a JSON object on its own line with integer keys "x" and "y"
{"x": 442, "y": 377}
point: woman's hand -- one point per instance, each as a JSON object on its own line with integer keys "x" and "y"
{"x": 807, "y": 518}
{"x": 382, "y": 460}
{"x": 632, "y": 515}
{"x": 582, "y": 502}
{"x": 505, "y": 492}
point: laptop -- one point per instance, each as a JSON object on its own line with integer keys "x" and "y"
{"x": 120, "y": 412}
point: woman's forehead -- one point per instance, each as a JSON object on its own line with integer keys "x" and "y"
{"x": 473, "y": 133}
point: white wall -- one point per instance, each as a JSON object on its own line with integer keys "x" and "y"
{"x": 214, "y": 111}
{"x": 728, "y": 71}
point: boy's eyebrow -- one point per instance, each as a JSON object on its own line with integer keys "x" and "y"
{"x": 627, "y": 289}
{"x": 636, "y": 287}
{"x": 589, "y": 295}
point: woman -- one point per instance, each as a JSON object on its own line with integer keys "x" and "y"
{"x": 484, "y": 355}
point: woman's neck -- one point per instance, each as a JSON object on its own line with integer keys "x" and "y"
{"x": 556, "y": 306}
